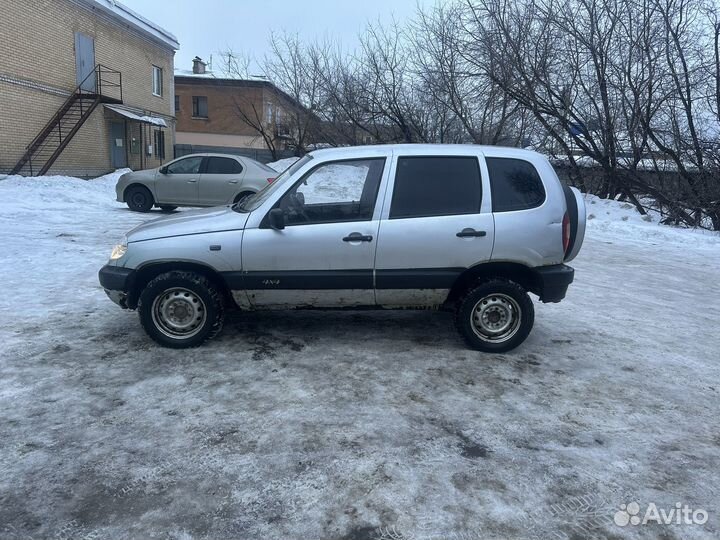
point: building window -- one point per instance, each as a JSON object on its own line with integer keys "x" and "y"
{"x": 177, "y": 103}
{"x": 200, "y": 107}
{"x": 159, "y": 143}
{"x": 157, "y": 81}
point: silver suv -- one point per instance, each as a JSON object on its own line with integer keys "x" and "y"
{"x": 467, "y": 228}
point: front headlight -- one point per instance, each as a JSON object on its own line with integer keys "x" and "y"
{"x": 119, "y": 250}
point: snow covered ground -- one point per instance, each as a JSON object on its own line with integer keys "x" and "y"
{"x": 353, "y": 425}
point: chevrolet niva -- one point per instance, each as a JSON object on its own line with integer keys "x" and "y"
{"x": 472, "y": 229}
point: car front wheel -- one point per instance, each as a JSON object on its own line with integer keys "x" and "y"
{"x": 181, "y": 309}
{"x": 495, "y": 316}
{"x": 139, "y": 199}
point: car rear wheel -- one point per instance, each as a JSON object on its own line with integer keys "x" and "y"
{"x": 181, "y": 309}
{"x": 495, "y": 316}
{"x": 139, "y": 199}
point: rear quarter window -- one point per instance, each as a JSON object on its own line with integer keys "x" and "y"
{"x": 514, "y": 184}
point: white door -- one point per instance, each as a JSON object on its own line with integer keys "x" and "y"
{"x": 324, "y": 256}
{"x": 436, "y": 223}
{"x": 85, "y": 61}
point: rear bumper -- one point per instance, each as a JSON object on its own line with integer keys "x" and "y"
{"x": 551, "y": 282}
{"x": 117, "y": 283}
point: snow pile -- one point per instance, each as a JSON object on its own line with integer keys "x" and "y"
{"x": 21, "y": 192}
{"x": 56, "y": 233}
{"x": 282, "y": 164}
{"x": 607, "y": 217}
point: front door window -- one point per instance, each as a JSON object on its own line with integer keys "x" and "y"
{"x": 343, "y": 191}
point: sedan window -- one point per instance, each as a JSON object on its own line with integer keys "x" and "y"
{"x": 220, "y": 165}
{"x": 189, "y": 165}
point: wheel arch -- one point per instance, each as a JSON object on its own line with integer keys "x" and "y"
{"x": 519, "y": 273}
{"x": 142, "y": 185}
{"x": 149, "y": 271}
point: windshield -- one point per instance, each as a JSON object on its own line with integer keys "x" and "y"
{"x": 248, "y": 204}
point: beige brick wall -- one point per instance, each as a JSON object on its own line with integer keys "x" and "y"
{"x": 38, "y": 40}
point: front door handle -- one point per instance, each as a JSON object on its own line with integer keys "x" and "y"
{"x": 357, "y": 237}
{"x": 469, "y": 233}
{"x": 192, "y": 180}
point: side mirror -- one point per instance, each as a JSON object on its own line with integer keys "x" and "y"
{"x": 163, "y": 170}
{"x": 276, "y": 219}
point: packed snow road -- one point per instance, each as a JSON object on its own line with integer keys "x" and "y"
{"x": 354, "y": 425}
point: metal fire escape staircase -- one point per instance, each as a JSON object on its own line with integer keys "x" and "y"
{"x": 102, "y": 85}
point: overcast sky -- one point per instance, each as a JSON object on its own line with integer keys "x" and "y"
{"x": 204, "y": 27}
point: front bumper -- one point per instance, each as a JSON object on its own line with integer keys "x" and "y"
{"x": 552, "y": 282}
{"x": 117, "y": 282}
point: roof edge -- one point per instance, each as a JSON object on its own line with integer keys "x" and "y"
{"x": 121, "y": 13}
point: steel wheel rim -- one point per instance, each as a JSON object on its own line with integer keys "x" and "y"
{"x": 138, "y": 198}
{"x": 496, "y": 318}
{"x": 179, "y": 313}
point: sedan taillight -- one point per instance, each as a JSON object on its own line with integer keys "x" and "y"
{"x": 566, "y": 232}
{"x": 270, "y": 180}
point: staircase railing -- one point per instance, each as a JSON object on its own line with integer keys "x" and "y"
{"x": 103, "y": 77}
{"x": 106, "y": 85}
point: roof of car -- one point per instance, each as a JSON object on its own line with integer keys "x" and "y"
{"x": 426, "y": 149}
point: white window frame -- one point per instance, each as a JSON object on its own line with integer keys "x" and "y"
{"x": 157, "y": 81}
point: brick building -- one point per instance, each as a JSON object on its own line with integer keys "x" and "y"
{"x": 86, "y": 87}
{"x": 238, "y": 116}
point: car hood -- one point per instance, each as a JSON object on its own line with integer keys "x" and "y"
{"x": 219, "y": 218}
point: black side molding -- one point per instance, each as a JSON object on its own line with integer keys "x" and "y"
{"x": 300, "y": 279}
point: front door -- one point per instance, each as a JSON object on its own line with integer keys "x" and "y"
{"x": 324, "y": 255}
{"x": 85, "y": 61}
{"x": 179, "y": 184}
{"x": 437, "y": 224}
{"x": 117, "y": 145}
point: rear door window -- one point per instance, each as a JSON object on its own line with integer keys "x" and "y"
{"x": 220, "y": 165}
{"x": 515, "y": 185}
{"x": 436, "y": 186}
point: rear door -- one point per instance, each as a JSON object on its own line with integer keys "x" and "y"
{"x": 436, "y": 222}
{"x": 179, "y": 185}
{"x": 221, "y": 180}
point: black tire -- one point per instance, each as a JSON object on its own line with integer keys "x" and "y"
{"x": 507, "y": 310}
{"x": 167, "y": 207}
{"x": 139, "y": 198}
{"x": 242, "y": 195}
{"x": 199, "y": 301}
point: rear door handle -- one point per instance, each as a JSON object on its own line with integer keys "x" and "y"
{"x": 469, "y": 232}
{"x": 357, "y": 237}
{"x": 232, "y": 181}
{"x": 192, "y": 180}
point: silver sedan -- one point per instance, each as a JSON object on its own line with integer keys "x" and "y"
{"x": 194, "y": 180}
